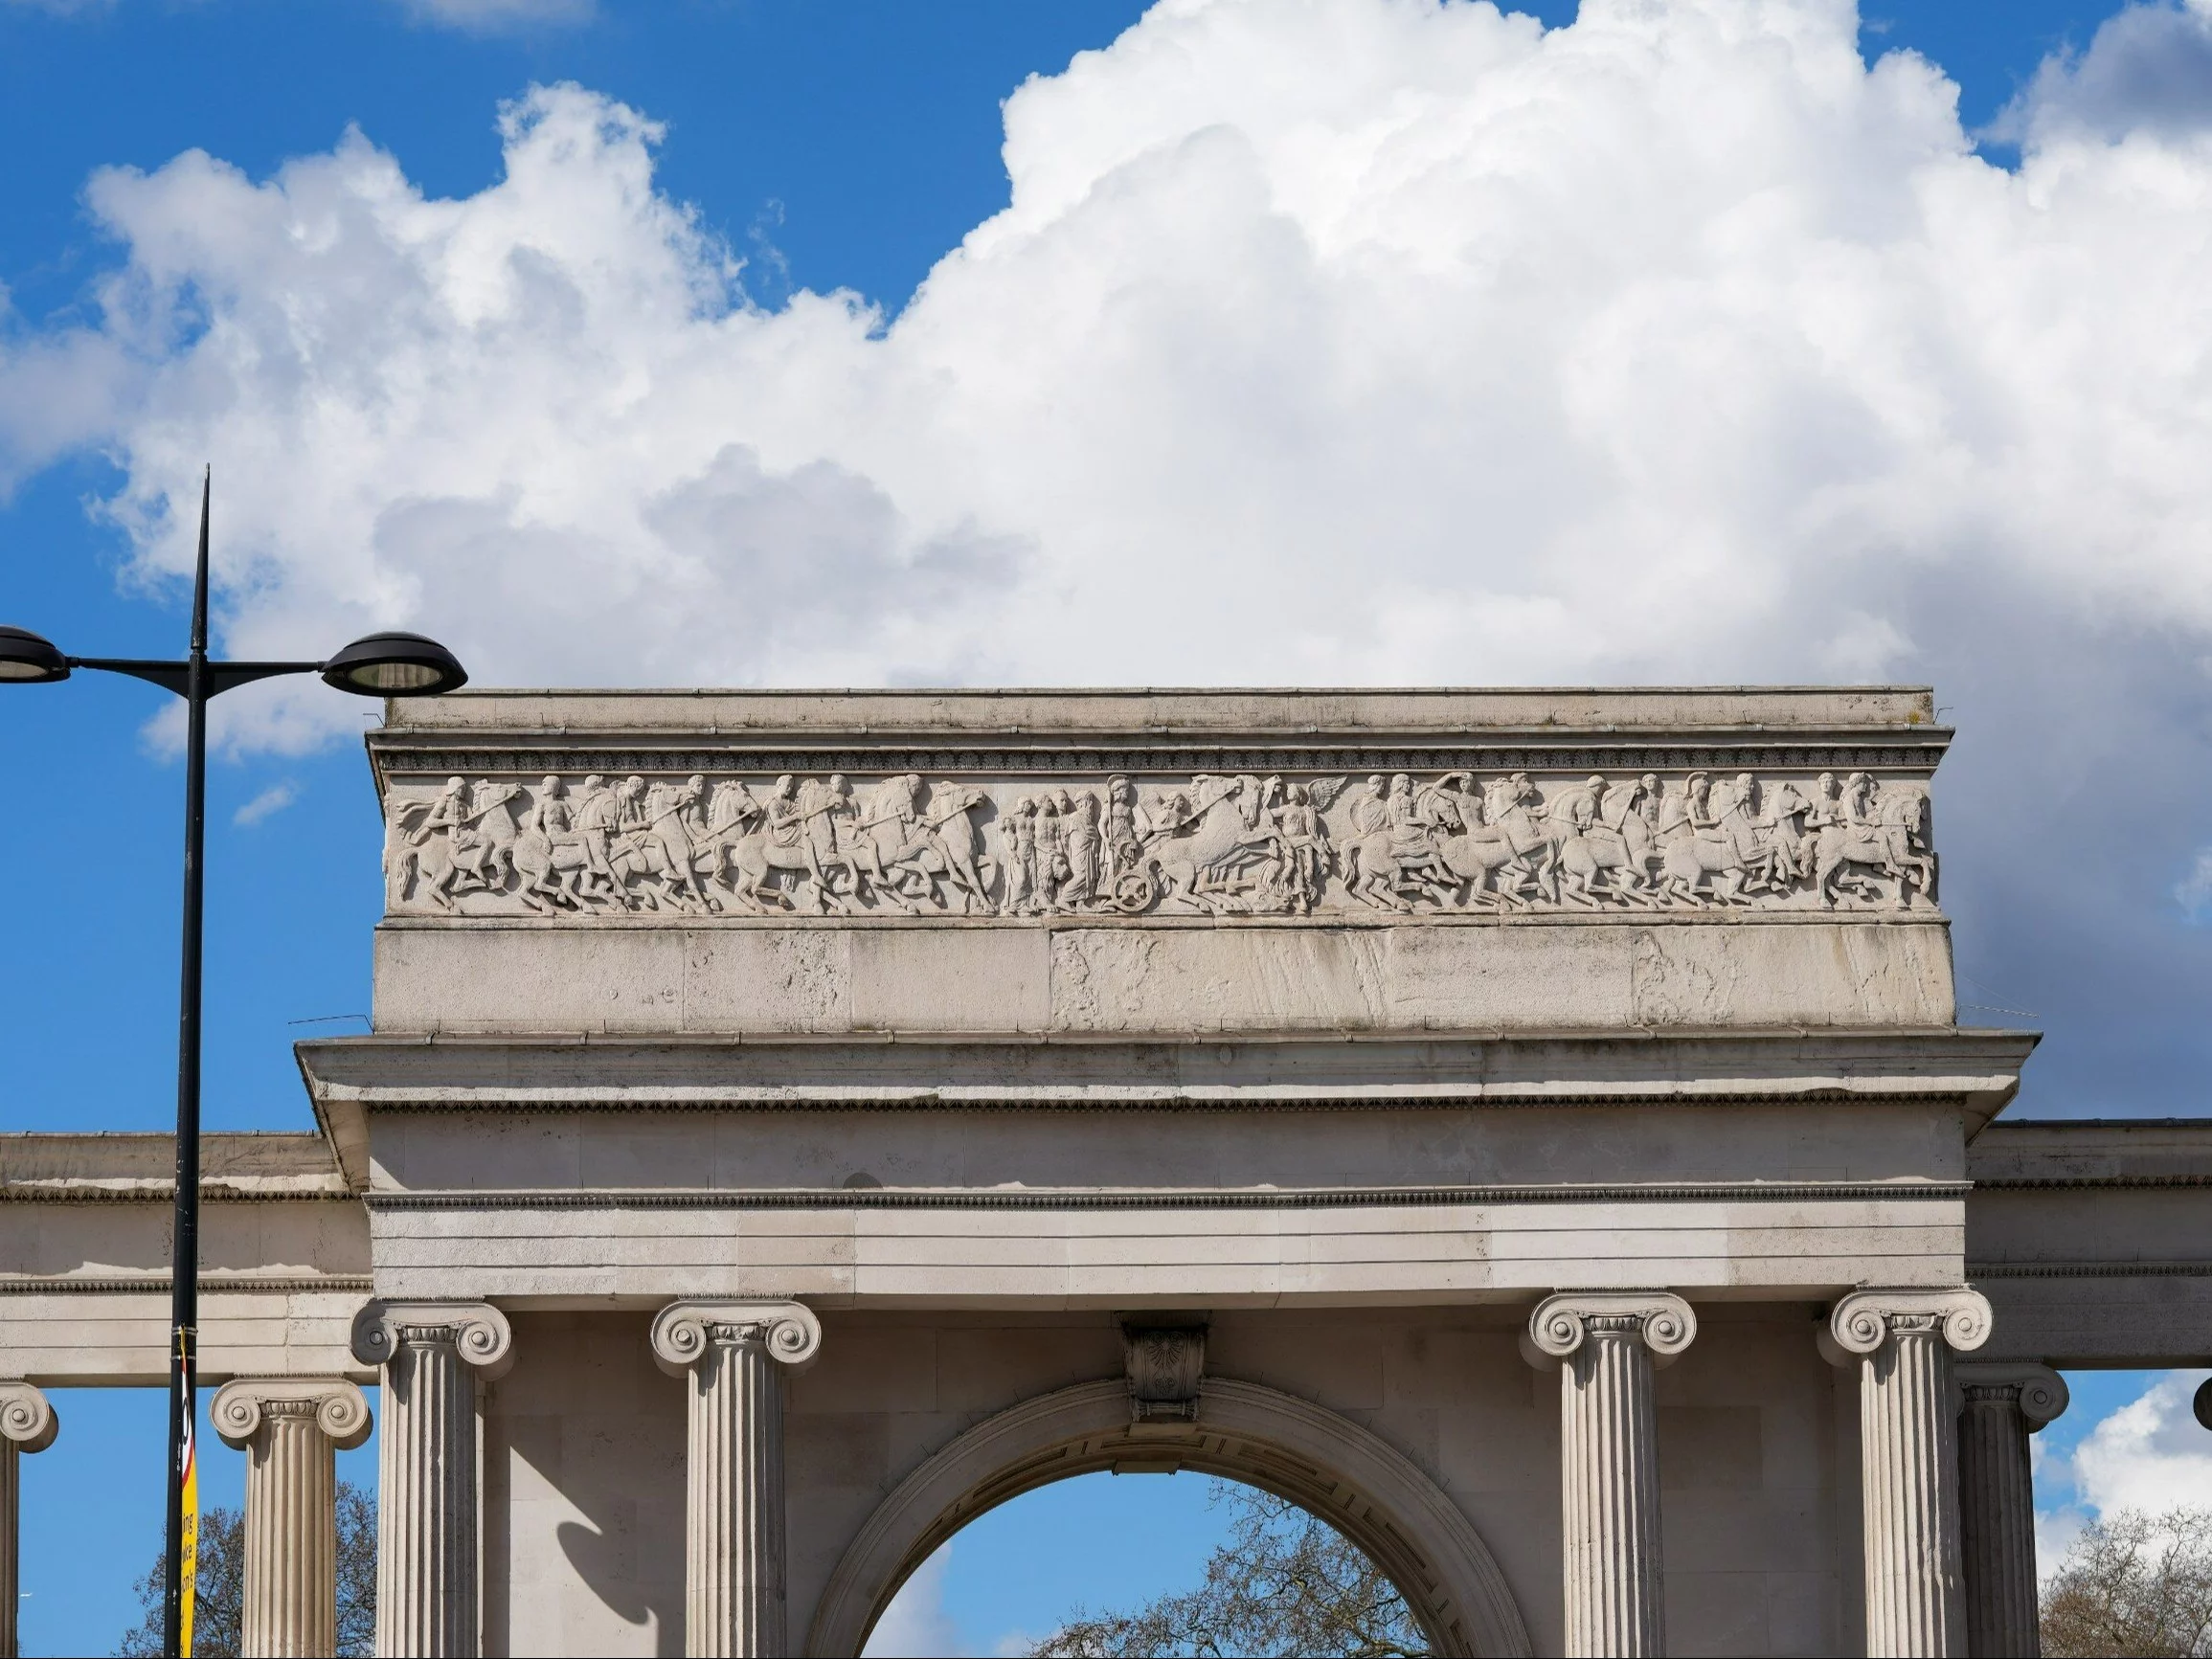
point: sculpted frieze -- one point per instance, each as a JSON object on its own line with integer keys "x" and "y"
{"x": 1448, "y": 844}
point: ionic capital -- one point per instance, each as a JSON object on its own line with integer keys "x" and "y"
{"x": 338, "y": 1408}
{"x": 1561, "y": 1324}
{"x": 478, "y": 1330}
{"x": 27, "y": 1418}
{"x": 1862, "y": 1321}
{"x": 683, "y": 1331}
{"x": 2041, "y": 1391}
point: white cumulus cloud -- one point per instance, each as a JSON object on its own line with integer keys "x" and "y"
{"x": 2152, "y": 1455}
{"x": 267, "y": 805}
{"x": 1322, "y": 341}
{"x": 916, "y": 1622}
{"x": 500, "y": 16}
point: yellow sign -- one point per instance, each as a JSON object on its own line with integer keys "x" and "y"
{"x": 189, "y": 1532}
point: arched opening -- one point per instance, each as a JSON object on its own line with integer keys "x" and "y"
{"x": 1147, "y": 1559}
{"x": 1324, "y": 1463}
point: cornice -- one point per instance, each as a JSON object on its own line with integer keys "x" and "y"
{"x": 955, "y": 1102}
{"x": 1973, "y": 1070}
{"x": 1181, "y": 1199}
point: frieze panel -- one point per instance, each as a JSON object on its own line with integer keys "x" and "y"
{"x": 1207, "y": 843}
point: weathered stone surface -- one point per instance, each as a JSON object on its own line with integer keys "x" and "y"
{"x": 1703, "y": 971}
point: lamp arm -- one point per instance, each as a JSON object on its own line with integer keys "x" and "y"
{"x": 221, "y": 677}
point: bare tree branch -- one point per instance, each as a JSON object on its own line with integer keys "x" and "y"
{"x": 2133, "y": 1584}
{"x": 1285, "y": 1583}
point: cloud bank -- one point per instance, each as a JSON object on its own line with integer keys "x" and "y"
{"x": 2150, "y": 1454}
{"x": 1322, "y": 341}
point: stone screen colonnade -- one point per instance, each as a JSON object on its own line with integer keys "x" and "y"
{"x": 1530, "y": 1128}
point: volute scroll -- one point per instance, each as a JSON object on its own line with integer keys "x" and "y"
{"x": 1562, "y": 1323}
{"x": 683, "y": 1331}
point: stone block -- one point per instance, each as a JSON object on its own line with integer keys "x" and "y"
{"x": 1709, "y": 1447}
{"x": 1716, "y": 1612}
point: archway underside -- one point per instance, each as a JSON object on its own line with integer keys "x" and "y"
{"x": 1324, "y": 1463}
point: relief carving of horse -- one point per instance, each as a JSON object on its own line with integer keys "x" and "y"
{"x": 1606, "y": 862}
{"x": 1215, "y": 851}
{"x": 430, "y": 865}
{"x": 1731, "y": 856}
{"x": 1895, "y": 843}
{"x": 938, "y": 843}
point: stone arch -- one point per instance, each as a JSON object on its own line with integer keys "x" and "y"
{"x": 1324, "y": 1462}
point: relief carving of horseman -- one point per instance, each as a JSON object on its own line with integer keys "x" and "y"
{"x": 755, "y": 842}
{"x": 1707, "y": 838}
{"x": 1395, "y": 858}
{"x": 1224, "y": 846}
{"x": 913, "y": 839}
{"x": 459, "y": 843}
{"x": 1219, "y": 844}
{"x": 1602, "y": 843}
{"x": 1874, "y": 826}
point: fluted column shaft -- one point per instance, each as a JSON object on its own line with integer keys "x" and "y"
{"x": 733, "y": 1355}
{"x": 26, "y": 1424}
{"x": 1901, "y": 1343}
{"x": 428, "y": 1546}
{"x": 1911, "y": 1494}
{"x": 291, "y": 1589}
{"x": 1999, "y": 1406}
{"x": 290, "y": 1429}
{"x": 734, "y": 1521}
{"x": 1604, "y": 1345}
{"x": 1609, "y": 1462}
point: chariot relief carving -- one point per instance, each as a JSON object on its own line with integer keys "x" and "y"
{"x": 1211, "y": 844}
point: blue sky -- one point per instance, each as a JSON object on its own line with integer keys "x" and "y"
{"x": 812, "y": 149}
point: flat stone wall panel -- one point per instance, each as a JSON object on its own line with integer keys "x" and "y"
{"x": 2103, "y": 1317}
{"x": 584, "y": 1442}
{"x": 1707, "y": 970}
{"x": 1138, "y": 1147}
{"x": 103, "y": 1237}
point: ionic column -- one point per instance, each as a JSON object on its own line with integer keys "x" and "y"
{"x": 734, "y": 1354}
{"x": 291, "y": 1428}
{"x": 1999, "y": 1406}
{"x": 1901, "y": 1342}
{"x": 27, "y": 1424}
{"x": 428, "y": 1590}
{"x": 1605, "y": 1344}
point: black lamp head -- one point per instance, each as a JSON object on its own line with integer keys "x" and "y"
{"x": 26, "y": 659}
{"x": 395, "y": 665}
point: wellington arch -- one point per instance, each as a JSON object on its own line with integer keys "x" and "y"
{"x": 1532, "y": 1130}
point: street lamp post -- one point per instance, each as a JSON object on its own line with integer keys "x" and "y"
{"x": 379, "y": 665}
